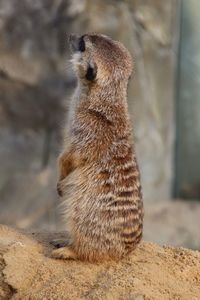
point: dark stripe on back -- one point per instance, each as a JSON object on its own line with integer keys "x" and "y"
{"x": 125, "y": 172}
{"x": 125, "y": 194}
{"x": 121, "y": 203}
{"x": 130, "y": 235}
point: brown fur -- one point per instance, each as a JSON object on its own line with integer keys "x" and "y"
{"x": 99, "y": 177}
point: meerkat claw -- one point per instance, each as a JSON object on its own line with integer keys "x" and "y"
{"x": 59, "y": 243}
{"x": 63, "y": 253}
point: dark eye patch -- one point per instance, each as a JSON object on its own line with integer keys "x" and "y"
{"x": 81, "y": 44}
{"x": 91, "y": 73}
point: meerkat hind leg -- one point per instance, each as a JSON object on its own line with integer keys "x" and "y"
{"x": 63, "y": 253}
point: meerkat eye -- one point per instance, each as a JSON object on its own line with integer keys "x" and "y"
{"x": 81, "y": 45}
{"x": 91, "y": 72}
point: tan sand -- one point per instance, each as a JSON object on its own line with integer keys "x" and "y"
{"x": 151, "y": 272}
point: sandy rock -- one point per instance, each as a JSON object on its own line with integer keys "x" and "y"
{"x": 151, "y": 272}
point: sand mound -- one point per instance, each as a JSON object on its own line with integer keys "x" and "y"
{"x": 151, "y": 272}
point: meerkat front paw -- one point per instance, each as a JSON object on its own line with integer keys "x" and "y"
{"x": 63, "y": 253}
{"x": 59, "y": 189}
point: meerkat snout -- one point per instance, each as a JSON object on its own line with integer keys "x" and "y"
{"x": 83, "y": 65}
{"x": 76, "y": 43}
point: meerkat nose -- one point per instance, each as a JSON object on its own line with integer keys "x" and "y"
{"x": 72, "y": 37}
{"x": 74, "y": 42}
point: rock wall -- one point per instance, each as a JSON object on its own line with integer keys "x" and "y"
{"x": 36, "y": 83}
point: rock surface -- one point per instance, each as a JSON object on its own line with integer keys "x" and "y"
{"x": 150, "y": 273}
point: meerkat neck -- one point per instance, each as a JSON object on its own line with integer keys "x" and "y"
{"x": 115, "y": 92}
{"x": 108, "y": 102}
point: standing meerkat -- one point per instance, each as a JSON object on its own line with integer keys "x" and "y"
{"x": 99, "y": 177}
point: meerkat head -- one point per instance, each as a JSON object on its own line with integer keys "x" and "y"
{"x": 99, "y": 59}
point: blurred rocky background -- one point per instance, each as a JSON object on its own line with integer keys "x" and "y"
{"x": 36, "y": 82}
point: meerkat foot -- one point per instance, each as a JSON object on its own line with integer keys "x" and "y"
{"x": 59, "y": 243}
{"x": 63, "y": 253}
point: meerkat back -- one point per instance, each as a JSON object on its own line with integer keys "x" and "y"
{"x": 99, "y": 176}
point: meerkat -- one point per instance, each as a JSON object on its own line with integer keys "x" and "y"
{"x": 99, "y": 178}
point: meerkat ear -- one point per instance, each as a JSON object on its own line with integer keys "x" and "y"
{"x": 91, "y": 72}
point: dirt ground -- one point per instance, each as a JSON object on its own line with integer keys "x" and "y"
{"x": 152, "y": 272}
